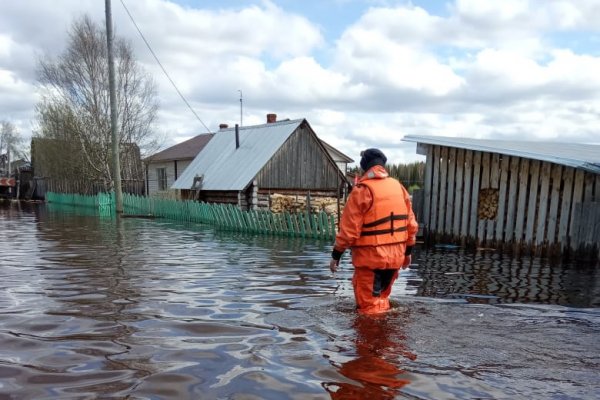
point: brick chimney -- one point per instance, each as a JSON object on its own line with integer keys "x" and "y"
{"x": 223, "y": 126}
{"x": 271, "y": 118}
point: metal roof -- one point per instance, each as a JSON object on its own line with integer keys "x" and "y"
{"x": 226, "y": 168}
{"x": 336, "y": 154}
{"x": 576, "y": 155}
{"x": 182, "y": 151}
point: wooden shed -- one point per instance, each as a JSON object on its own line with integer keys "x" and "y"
{"x": 540, "y": 197}
{"x": 245, "y": 165}
{"x": 62, "y": 166}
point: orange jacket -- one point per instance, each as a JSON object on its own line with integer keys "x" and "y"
{"x": 385, "y": 222}
{"x": 377, "y": 251}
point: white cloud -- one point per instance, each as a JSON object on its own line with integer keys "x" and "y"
{"x": 487, "y": 69}
{"x": 305, "y": 81}
{"x": 498, "y": 13}
{"x": 519, "y": 16}
{"x": 199, "y": 35}
{"x": 17, "y": 97}
{"x": 406, "y": 25}
{"x": 580, "y": 71}
{"x": 5, "y": 46}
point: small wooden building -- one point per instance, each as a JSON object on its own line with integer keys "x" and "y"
{"x": 540, "y": 197}
{"x": 62, "y": 166}
{"x": 243, "y": 166}
{"x": 163, "y": 168}
{"x": 340, "y": 158}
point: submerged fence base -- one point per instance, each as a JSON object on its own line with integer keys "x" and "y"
{"x": 222, "y": 216}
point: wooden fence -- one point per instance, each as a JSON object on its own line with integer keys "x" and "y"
{"x": 489, "y": 199}
{"x": 586, "y": 233}
{"x": 84, "y": 187}
{"x": 222, "y": 216}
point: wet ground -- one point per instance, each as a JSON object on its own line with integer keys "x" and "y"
{"x": 148, "y": 309}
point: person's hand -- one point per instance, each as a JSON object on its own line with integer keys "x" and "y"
{"x": 334, "y": 264}
{"x": 407, "y": 261}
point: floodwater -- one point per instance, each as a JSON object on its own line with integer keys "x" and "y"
{"x": 149, "y": 309}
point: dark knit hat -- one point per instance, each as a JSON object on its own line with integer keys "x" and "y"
{"x": 372, "y": 157}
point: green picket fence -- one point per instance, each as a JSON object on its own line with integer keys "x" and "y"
{"x": 222, "y": 216}
{"x": 73, "y": 199}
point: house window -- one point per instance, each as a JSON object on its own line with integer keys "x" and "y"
{"x": 161, "y": 177}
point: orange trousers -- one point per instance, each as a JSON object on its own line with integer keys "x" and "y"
{"x": 372, "y": 289}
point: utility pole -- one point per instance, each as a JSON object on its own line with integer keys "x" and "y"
{"x": 8, "y": 167}
{"x": 113, "y": 112}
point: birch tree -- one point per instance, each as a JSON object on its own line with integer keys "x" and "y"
{"x": 75, "y": 106}
{"x": 10, "y": 142}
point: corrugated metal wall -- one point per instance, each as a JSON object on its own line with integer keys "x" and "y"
{"x": 301, "y": 163}
{"x": 492, "y": 199}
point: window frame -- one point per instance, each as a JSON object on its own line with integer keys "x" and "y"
{"x": 161, "y": 179}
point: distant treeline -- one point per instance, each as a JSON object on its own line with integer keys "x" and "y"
{"x": 411, "y": 175}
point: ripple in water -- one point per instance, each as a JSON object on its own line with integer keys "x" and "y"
{"x": 91, "y": 307}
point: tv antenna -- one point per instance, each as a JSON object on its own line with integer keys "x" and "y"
{"x": 240, "y": 107}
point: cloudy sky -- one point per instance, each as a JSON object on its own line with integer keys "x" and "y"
{"x": 364, "y": 73}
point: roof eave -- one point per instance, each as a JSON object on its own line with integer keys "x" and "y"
{"x": 149, "y": 160}
{"x": 440, "y": 141}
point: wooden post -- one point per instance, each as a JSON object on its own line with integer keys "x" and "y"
{"x": 451, "y": 194}
{"x": 427, "y": 189}
{"x": 466, "y": 210}
{"x": 475, "y": 195}
{"x": 512, "y": 199}
{"x": 443, "y": 194}
{"x": 116, "y": 154}
{"x": 522, "y": 200}
{"x": 533, "y": 201}
{"x": 565, "y": 210}
{"x": 458, "y": 200}
{"x": 543, "y": 205}
{"x": 433, "y": 226}
{"x": 577, "y": 219}
{"x": 494, "y": 184}
{"x": 485, "y": 184}
{"x": 588, "y": 195}
{"x": 577, "y": 198}
{"x": 554, "y": 204}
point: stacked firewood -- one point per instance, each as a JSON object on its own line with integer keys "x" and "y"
{"x": 295, "y": 204}
{"x": 488, "y": 204}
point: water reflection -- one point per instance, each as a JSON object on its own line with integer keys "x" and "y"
{"x": 374, "y": 370}
{"x": 493, "y": 277}
{"x": 484, "y": 277}
{"x": 91, "y": 307}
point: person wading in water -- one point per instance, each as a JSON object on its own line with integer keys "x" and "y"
{"x": 379, "y": 226}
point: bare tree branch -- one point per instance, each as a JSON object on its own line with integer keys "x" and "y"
{"x": 75, "y": 104}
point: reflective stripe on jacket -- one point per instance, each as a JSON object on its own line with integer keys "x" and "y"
{"x": 386, "y": 220}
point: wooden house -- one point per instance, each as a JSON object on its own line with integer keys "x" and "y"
{"x": 341, "y": 160}
{"x": 243, "y": 166}
{"x": 163, "y": 168}
{"x": 541, "y": 197}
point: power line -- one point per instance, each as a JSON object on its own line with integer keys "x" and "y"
{"x": 163, "y": 68}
